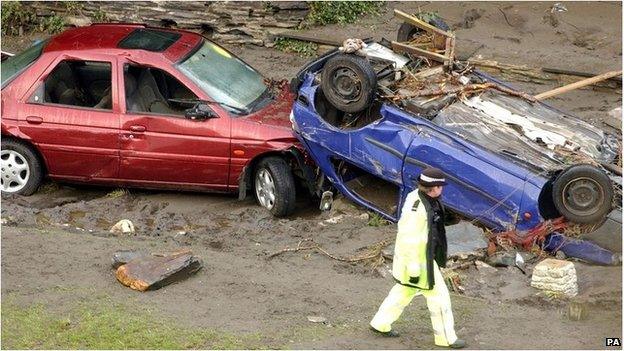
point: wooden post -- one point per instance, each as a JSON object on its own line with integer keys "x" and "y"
{"x": 420, "y": 24}
{"x": 576, "y": 85}
{"x": 418, "y": 52}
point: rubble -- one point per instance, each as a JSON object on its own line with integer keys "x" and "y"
{"x": 555, "y": 276}
{"x": 124, "y": 226}
{"x": 153, "y": 272}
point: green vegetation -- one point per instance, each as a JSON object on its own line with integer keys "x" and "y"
{"x": 303, "y": 48}
{"x": 99, "y": 16}
{"x": 342, "y": 12}
{"x": 375, "y": 220}
{"x": 16, "y": 16}
{"x": 52, "y": 25}
{"x": 106, "y": 324}
{"x": 118, "y": 193}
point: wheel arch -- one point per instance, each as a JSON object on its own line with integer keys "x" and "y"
{"x": 34, "y": 147}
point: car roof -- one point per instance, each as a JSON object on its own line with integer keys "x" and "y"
{"x": 105, "y": 37}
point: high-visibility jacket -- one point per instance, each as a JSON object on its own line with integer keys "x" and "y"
{"x": 414, "y": 249}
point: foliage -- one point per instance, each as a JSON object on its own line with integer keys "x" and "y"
{"x": 16, "y": 15}
{"x": 106, "y": 325}
{"x": 118, "y": 193}
{"x": 427, "y": 16}
{"x": 52, "y": 25}
{"x": 376, "y": 220}
{"x": 99, "y": 16}
{"x": 303, "y": 48}
{"x": 73, "y": 7}
{"x": 342, "y": 12}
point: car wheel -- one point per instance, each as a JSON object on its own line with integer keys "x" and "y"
{"x": 349, "y": 82}
{"x": 408, "y": 32}
{"x": 275, "y": 186}
{"x": 583, "y": 194}
{"x": 21, "y": 169}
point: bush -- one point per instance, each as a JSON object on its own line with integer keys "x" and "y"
{"x": 303, "y": 48}
{"x": 16, "y": 16}
{"x": 328, "y": 12}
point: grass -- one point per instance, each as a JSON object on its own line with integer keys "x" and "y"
{"x": 118, "y": 193}
{"x": 106, "y": 324}
{"x": 375, "y": 220}
{"x": 303, "y": 48}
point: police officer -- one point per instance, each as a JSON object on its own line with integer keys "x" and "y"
{"x": 420, "y": 250}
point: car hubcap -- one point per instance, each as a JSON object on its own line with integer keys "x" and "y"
{"x": 15, "y": 171}
{"x": 265, "y": 189}
{"x": 583, "y": 196}
{"x": 346, "y": 84}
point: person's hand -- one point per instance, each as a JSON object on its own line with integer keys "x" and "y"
{"x": 414, "y": 280}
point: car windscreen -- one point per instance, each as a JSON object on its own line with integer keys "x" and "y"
{"x": 224, "y": 77}
{"x": 13, "y": 66}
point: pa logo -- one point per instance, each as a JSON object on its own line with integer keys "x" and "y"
{"x": 613, "y": 342}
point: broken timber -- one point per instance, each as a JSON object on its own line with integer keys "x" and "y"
{"x": 576, "y": 85}
{"x": 152, "y": 272}
{"x": 404, "y": 48}
{"x": 421, "y": 24}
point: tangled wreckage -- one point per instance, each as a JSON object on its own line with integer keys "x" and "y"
{"x": 373, "y": 115}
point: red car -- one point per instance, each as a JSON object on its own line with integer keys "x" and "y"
{"x": 136, "y": 106}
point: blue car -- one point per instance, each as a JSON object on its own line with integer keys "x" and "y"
{"x": 373, "y": 123}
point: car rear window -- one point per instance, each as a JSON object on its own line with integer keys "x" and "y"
{"x": 13, "y": 66}
{"x": 149, "y": 39}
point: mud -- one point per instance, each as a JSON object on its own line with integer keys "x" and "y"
{"x": 241, "y": 290}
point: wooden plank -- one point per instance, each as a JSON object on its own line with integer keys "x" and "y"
{"x": 420, "y": 24}
{"x": 576, "y": 73}
{"x": 429, "y": 72}
{"x": 576, "y": 85}
{"x": 418, "y": 52}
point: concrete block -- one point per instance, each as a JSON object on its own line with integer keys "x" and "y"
{"x": 555, "y": 275}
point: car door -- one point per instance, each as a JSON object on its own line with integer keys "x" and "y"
{"x": 159, "y": 146}
{"x": 76, "y": 129}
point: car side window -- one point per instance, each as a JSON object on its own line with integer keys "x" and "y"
{"x": 78, "y": 83}
{"x": 151, "y": 90}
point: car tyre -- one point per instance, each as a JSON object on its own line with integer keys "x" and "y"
{"x": 408, "y": 32}
{"x": 583, "y": 194}
{"x": 21, "y": 168}
{"x": 349, "y": 82}
{"x": 274, "y": 186}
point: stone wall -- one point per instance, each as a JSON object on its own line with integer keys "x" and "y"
{"x": 242, "y": 22}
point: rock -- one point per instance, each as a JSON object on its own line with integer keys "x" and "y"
{"x": 465, "y": 239}
{"x": 77, "y": 21}
{"x": 482, "y": 266}
{"x": 364, "y": 216}
{"x": 125, "y": 226}
{"x": 556, "y": 276}
{"x": 502, "y": 259}
{"x": 152, "y": 272}
{"x": 317, "y": 319}
{"x": 560, "y": 255}
{"x": 122, "y": 257}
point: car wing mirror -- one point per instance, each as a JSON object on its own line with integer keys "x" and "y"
{"x": 200, "y": 112}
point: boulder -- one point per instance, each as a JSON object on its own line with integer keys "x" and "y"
{"x": 153, "y": 272}
{"x": 125, "y": 226}
{"x": 122, "y": 257}
{"x": 556, "y": 276}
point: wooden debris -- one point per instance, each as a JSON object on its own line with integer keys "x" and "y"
{"x": 420, "y": 24}
{"x": 405, "y": 48}
{"x": 471, "y": 88}
{"x": 577, "y": 73}
{"x": 152, "y": 272}
{"x": 576, "y": 85}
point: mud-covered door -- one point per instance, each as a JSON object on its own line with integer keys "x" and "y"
{"x": 478, "y": 185}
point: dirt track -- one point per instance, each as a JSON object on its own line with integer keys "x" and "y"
{"x": 56, "y": 246}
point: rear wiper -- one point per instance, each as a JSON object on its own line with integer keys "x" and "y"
{"x": 195, "y": 101}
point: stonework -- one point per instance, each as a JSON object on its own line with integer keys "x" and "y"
{"x": 556, "y": 276}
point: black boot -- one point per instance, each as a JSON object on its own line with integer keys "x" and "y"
{"x": 458, "y": 344}
{"x": 391, "y": 333}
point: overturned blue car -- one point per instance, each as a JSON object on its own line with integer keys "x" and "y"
{"x": 373, "y": 121}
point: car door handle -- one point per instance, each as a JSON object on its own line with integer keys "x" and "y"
{"x": 34, "y": 120}
{"x": 137, "y": 129}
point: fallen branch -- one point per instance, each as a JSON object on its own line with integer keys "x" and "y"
{"x": 374, "y": 251}
{"x": 471, "y": 88}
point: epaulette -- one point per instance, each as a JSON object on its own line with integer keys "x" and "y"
{"x": 415, "y": 206}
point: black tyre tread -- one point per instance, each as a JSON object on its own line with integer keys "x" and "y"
{"x": 369, "y": 82}
{"x": 34, "y": 162}
{"x": 583, "y": 171}
{"x": 407, "y": 31}
{"x": 284, "y": 185}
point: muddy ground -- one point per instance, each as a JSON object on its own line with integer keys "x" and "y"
{"x": 56, "y": 246}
